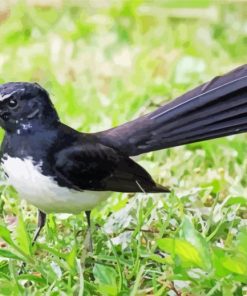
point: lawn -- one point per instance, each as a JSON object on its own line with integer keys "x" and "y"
{"x": 103, "y": 63}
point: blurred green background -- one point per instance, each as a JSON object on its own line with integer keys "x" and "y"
{"x": 103, "y": 63}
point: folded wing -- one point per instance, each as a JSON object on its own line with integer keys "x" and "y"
{"x": 94, "y": 166}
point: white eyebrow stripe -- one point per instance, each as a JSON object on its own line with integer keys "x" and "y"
{"x": 5, "y": 97}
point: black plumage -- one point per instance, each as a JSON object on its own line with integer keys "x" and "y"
{"x": 100, "y": 161}
{"x": 63, "y": 158}
{"x": 214, "y": 109}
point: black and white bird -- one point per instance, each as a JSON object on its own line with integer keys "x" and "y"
{"x": 61, "y": 170}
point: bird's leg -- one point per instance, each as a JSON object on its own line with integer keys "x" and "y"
{"x": 89, "y": 234}
{"x": 41, "y": 224}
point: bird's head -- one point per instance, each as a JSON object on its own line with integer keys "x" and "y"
{"x": 24, "y": 104}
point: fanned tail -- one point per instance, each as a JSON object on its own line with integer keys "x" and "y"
{"x": 215, "y": 109}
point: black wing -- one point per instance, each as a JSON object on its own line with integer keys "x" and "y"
{"x": 94, "y": 166}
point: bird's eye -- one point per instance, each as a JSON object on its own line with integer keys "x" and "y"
{"x": 5, "y": 116}
{"x": 12, "y": 103}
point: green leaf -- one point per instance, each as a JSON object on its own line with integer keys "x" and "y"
{"x": 4, "y": 275}
{"x": 52, "y": 251}
{"x": 8, "y": 288}
{"x": 229, "y": 263}
{"x": 106, "y": 277}
{"x": 8, "y": 254}
{"x": 6, "y": 236}
{"x": 233, "y": 200}
{"x": 191, "y": 235}
{"x": 32, "y": 278}
{"x": 22, "y": 236}
{"x": 218, "y": 257}
{"x": 235, "y": 265}
{"x": 242, "y": 242}
{"x": 70, "y": 258}
{"x": 158, "y": 259}
{"x": 183, "y": 249}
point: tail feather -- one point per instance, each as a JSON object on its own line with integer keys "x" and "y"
{"x": 214, "y": 109}
{"x": 205, "y": 115}
{"x": 197, "y": 125}
{"x": 228, "y": 127}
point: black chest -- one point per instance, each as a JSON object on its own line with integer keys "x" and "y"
{"x": 37, "y": 146}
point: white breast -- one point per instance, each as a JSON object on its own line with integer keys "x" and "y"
{"x": 44, "y": 192}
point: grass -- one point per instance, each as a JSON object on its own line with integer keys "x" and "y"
{"x": 105, "y": 63}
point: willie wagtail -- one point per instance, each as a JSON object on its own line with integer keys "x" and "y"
{"x": 61, "y": 170}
